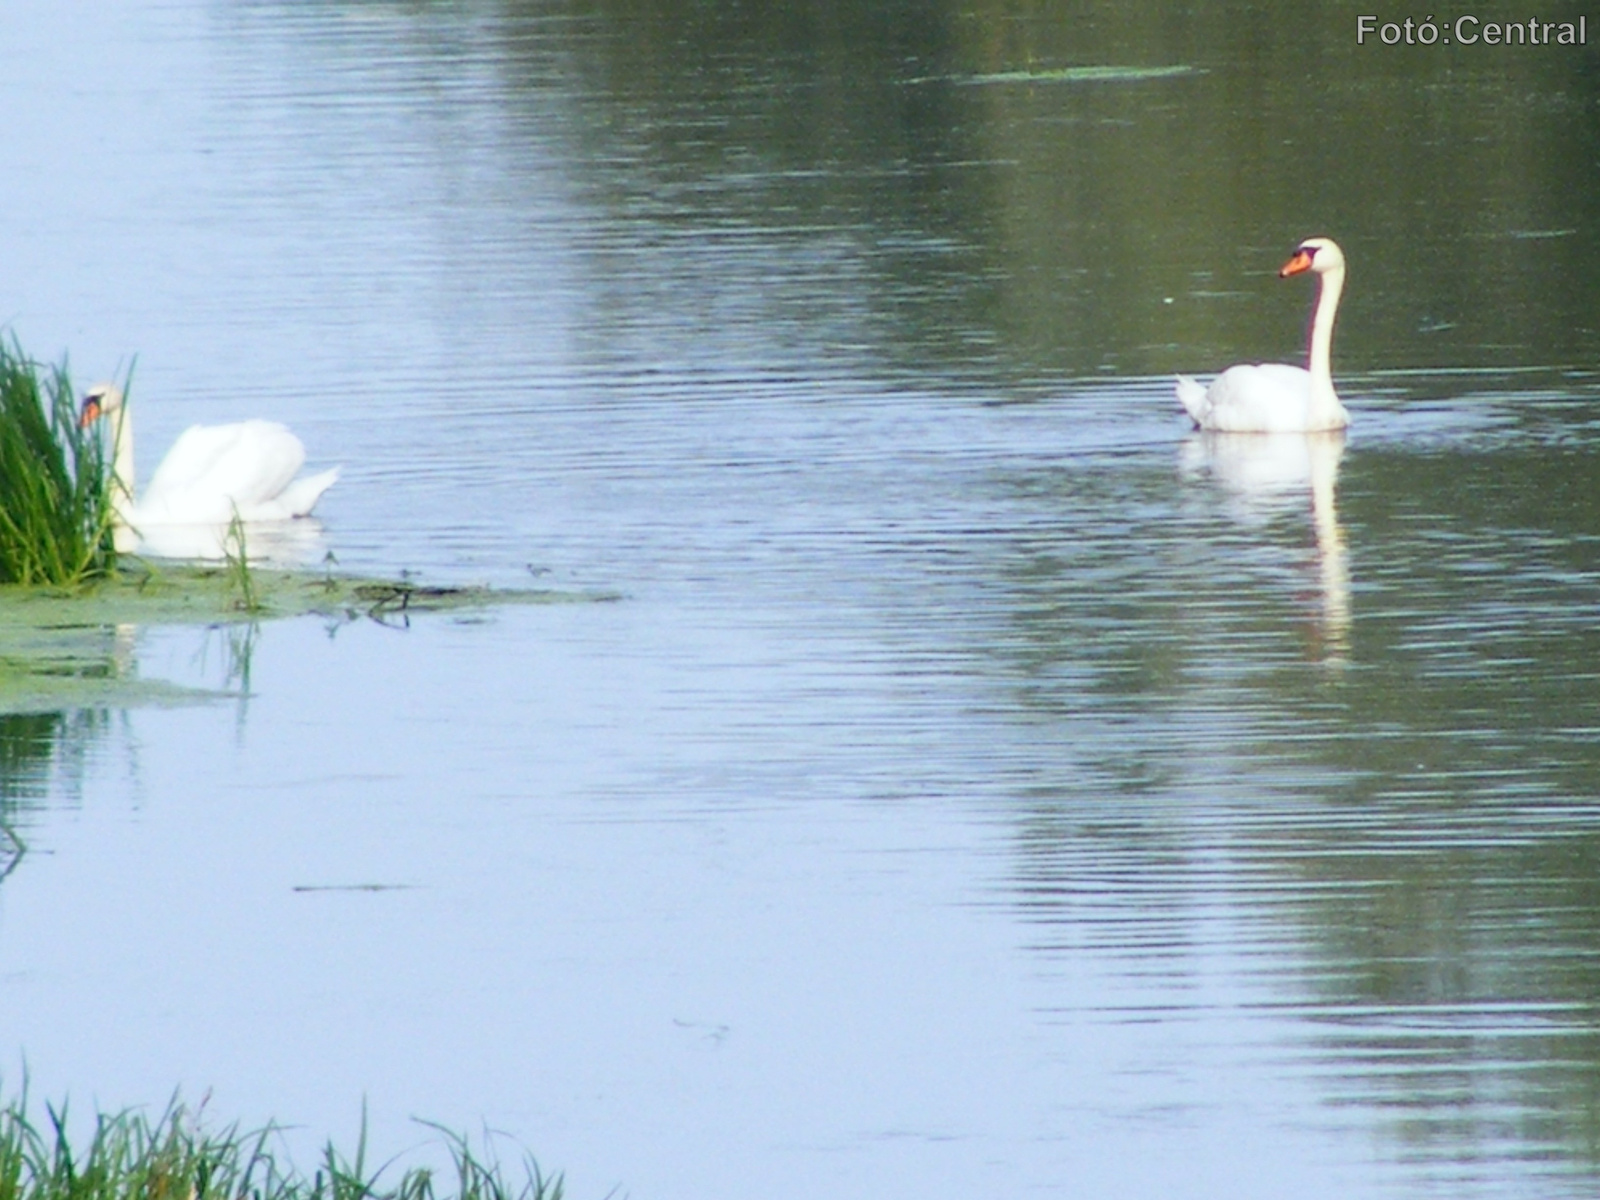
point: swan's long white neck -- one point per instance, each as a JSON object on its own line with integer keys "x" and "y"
{"x": 122, "y": 460}
{"x": 1319, "y": 357}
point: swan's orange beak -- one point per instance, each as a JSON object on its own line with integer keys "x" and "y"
{"x": 90, "y": 413}
{"x": 1300, "y": 262}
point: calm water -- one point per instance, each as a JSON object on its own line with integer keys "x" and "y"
{"x": 982, "y": 787}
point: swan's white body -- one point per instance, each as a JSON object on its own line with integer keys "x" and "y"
{"x": 214, "y": 470}
{"x": 211, "y": 474}
{"x": 1274, "y": 397}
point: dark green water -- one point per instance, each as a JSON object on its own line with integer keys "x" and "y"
{"x": 984, "y": 785}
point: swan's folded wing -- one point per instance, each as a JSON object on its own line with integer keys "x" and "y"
{"x": 191, "y": 458}
{"x": 213, "y": 470}
{"x": 1193, "y": 398}
{"x": 301, "y": 496}
{"x": 259, "y": 464}
{"x": 1264, "y": 398}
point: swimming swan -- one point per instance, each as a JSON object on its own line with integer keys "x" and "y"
{"x": 211, "y": 473}
{"x": 1274, "y": 397}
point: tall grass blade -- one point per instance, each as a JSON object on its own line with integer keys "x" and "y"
{"x": 237, "y": 554}
{"x": 56, "y": 513}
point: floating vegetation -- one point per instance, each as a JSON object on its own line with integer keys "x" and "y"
{"x": 1541, "y": 234}
{"x": 1103, "y": 74}
{"x": 55, "y": 506}
{"x": 129, "y": 1156}
{"x": 1093, "y": 74}
{"x": 74, "y": 647}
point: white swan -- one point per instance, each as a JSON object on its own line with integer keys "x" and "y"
{"x": 1273, "y": 397}
{"x": 211, "y": 473}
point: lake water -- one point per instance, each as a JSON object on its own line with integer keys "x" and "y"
{"x": 980, "y": 785}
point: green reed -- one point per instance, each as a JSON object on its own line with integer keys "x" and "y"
{"x": 56, "y": 513}
{"x": 130, "y": 1156}
{"x": 236, "y": 554}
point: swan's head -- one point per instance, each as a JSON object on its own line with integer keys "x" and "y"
{"x": 1317, "y": 254}
{"x": 101, "y": 400}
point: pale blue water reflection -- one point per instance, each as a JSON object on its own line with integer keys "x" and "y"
{"x": 982, "y": 785}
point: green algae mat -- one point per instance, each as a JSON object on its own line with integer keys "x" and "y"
{"x": 66, "y": 648}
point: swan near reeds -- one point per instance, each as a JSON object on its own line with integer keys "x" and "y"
{"x": 212, "y": 473}
{"x": 1275, "y": 397}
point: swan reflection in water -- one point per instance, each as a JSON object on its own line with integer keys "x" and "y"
{"x": 292, "y": 543}
{"x": 1268, "y": 474}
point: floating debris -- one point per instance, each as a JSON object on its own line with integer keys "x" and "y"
{"x": 1086, "y": 74}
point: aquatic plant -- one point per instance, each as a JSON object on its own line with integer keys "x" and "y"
{"x": 55, "y": 501}
{"x": 175, "y": 1156}
{"x": 237, "y": 555}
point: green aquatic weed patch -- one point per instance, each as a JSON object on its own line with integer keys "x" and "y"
{"x": 146, "y": 593}
{"x": 177, "y": 1156}
{"x": 76, "y": 647}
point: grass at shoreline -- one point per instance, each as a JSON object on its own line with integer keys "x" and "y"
{"x": 55, "y": 503}
{"x": 176, "y": 1156}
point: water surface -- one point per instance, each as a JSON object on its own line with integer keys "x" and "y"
{"x": 983, "y": 785}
